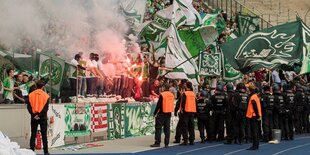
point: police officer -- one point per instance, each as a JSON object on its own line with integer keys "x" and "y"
{"x": 267, "y": 100}
{"x": 299, "y": 105}
{"x": 254, "y": 113}
{"x": 182, "y": 89}
{"x": 229, "y": 113}
{"x": 306, "y": 110}
{"x": 164, "y": 107}
{"x": 279, "y": 114}
{"x": 240, "y": 105}
{"x": 37, "y": 106}
{"x": 288, "y": 96}
{"x": 219, "y": 103}
{"x": 187, "y": 114}
{"x": 203, "y": 114}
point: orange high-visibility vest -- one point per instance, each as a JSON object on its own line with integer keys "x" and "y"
{"x": 38, "y": 100}
{"x": 250, "y": 112}
{"x": 168, "y": 101}
{"x": 190, "y": 103}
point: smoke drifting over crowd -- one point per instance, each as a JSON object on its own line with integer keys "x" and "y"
{"x": 63, "y": 26}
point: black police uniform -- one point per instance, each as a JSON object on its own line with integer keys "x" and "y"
{"x": 203, "y": 115}
{"x": 289, "y": 108}
{"x": 267, "y": 115}
{"x": 219, "y": 103}
{"x": 241, "y": 100}
{"x": 229, "y": 118}
{"x": 299, "y": 105}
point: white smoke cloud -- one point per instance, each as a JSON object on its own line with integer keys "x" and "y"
{"x": 63, "y": 26}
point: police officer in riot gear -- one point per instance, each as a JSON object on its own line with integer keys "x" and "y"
{"x": 218, "y": 101}
{"x": 267, "y": 101}
{"x": 299, "y": 105}
{"x": 203, "y": 114}
{"x": 229, "y": 113}
{"x": 306, "y": 110}
{"x": 288, "y": 96}
{"x": 279, "y": 113}
{"x": 240, "y": 105}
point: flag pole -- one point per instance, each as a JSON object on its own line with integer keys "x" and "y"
{"x": 185, "y": 61}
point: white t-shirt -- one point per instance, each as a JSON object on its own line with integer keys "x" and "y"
{"x": 290, "y": 75}
{"x": 10, "y": 94}
{"x": 89, "y": 65}
{"x": 74, "y": 62}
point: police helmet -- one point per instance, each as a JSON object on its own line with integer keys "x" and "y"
{"x": 298, "y": 87}
{"x": 230, "y": 87}
{"x": 204, "y": 94}
{"x": 266, "y": 88}
{"x": 241, "y": 87}
{"x": 220, "y": 87}
{"x": 275, "y": 87}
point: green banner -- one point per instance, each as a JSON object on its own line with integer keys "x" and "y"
{"x": 229, "y": 73}
{"x": 77, "y": 119}
{"x": 305, "y": 68}
{"x": 216, "y": 20}
{"x": 116, "y": 121}
{"x": 270, "y": 48}
{"x": 139, "y": 119}
{"x": 247, "y": 24}
{"x": 210, "y": 63}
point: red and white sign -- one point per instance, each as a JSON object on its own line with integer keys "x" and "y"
{"x": 99, "y": 117}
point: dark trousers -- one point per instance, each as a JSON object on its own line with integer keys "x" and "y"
{"x": 254, "y": 128}
{"x": 218, "y": 125}
{"x": 91, "y": 85}
{"x": 282, "y": 125}
{"x": 187, "y": 123}
{"x": 239, "y": 128}
{"x": 34, "y": 128}
{"x": 161, "y": 121}
{"x": 178, "y": 131}
{"x": 305, "y": 121}
{"x": 268, "y": 125}
{"x": 298, "y": 121}
{"x": 248, "y": 132}
{"x": 229, "y": 127}
{"x": 203, "y": 126}
{"x": 73, "y": 87}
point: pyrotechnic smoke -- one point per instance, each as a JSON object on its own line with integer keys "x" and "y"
{"x": 63, "y": 26}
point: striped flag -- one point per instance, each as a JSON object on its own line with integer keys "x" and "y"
{"x": 99, "y": 120}
{"x": 305, "y": 68}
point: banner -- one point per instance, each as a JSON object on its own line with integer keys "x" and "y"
{"x": 99, "y": 117}
{"x": 139, "y": 119}
{"x": 210, "y": 64}
{"x": 116, "y": 121}
{"x": 56, "y": 125}
{"x": 305, "y": 68}
{"x": 52, "y": 67}
{"x": 269, "y": 48}
{"x": 247, "y": 24}
{"x": 215, "y": 20}
{"x": 77, "y": 120}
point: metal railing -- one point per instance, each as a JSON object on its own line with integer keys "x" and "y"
{"x": 232, "y": 7}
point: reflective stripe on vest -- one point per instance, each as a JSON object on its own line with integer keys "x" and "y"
{"x": 190, "y": 103}
{"x": 168, "y": 101}
{"x": 250, "y": 112}
{"x": 38, "y": 99}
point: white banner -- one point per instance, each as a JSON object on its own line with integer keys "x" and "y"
{"x": 56, "y": 125}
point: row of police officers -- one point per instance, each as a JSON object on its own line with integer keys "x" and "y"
{"x": 247, "y": 112}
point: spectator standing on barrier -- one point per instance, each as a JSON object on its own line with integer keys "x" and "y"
{"x": 37, "y": 106}
{"x": 162, "y": 113}
{"x": 187, "y": 114}
{"x": 254, "y": 113}
{"x": 8, "y": 87}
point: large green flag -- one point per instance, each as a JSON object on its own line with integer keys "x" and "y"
{"x": 133, "y": 11}
{"x": 305, "y": 68}
{"x": 247, "y": 24}
{"x": 269, "y": 48}
{"x": 229, "y": 73}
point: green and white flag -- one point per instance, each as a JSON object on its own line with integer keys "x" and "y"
{"x": 133, "y": 11}
{"x": 210, "y": 64}
{"x": 229, "y": 73}
{"x": 305, "y": 68}
{"x": 214, "y": 19}
{"x": 198, "y": 40}
{"x": 52, "y": 67}
{"x": 181, "y": 12}
{"x": 269, "y": 48}
{"x": 177, "y": 53}
{"x": 247, "y": 24}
